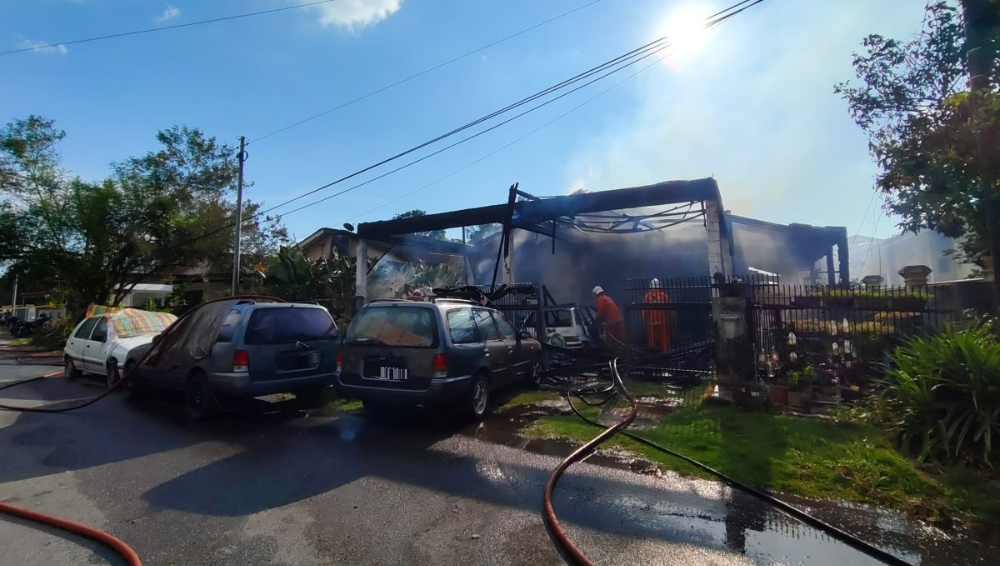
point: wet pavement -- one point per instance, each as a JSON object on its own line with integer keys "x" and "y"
{"x": 289, "y": 488}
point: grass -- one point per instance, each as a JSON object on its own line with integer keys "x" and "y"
{"x": 19, "y": 342}
{"x": 806, "y": 457}
{"x": 341, "y": 404}
{"x": 526, "y": 397}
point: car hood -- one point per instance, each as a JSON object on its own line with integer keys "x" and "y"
{"x": 133, "y": 341}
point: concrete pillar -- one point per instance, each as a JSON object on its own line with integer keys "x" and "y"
{"x": 831, "y": 276}
{"x": 719, "y": 251}
{"x": 915, "y": 276}
{"x": 361, "y": 276}
{"x": 734, "y": 359}
{"x": 873, "y": 281}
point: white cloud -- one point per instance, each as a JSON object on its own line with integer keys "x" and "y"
{"x": 170, "y": 13}
{"x": 356, "y": 14}
{"x": 42, "y": 47}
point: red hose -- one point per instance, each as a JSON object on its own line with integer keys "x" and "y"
{"x": 561, "y": 537}
{"x": 100, "y": 536}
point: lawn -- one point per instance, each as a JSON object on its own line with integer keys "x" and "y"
{"x": 808, "y": 457}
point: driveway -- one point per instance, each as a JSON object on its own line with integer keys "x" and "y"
{"x": 295, "y": 489}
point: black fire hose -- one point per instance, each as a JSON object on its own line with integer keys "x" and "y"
{"x": 617, "y": 385}
{"x": 128, "y": 374}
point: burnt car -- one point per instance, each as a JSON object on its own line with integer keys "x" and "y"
{"x": 241, "y": 349}
{"x": 447, "y": 352}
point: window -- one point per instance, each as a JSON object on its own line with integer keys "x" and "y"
{"x": 84, "y": 331}
{"x": 487, "y": 329}
{"x": 100, "y": 331}
{"x": 558, "y": 319}
{"x": 462, "y": 327}
{"x": 394, "y": 326}
{"x": 506, "y": 328}
{"x": 283, "y": 325}
{"x": 228, "y": 326}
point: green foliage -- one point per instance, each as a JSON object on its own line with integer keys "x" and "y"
{"x": 292, "y": 276}
{"x": 149, "y": 218}
{"x": 941, "y": 396}
{"x": 922, "y": 127}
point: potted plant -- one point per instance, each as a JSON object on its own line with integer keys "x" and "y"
{"x": 800, "y": 388}
{"x": 777, "y": 392}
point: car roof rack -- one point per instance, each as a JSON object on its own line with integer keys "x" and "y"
{"x": 390, "y": 301}
{"x": 451, "y": 300}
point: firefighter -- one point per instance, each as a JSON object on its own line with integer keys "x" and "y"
{"x": 657, "y": 320}
{"x": 609, "y": 314}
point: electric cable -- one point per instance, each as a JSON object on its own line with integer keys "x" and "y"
{"x": 609, "y": 64}
{"x": 420, "y": 74}
{"x": 162, "y": 28}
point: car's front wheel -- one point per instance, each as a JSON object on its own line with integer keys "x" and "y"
{"x": 533, "y": 378}
{"x": 114, "y": 376}
{"x": 132, "y": 386}
{"x": 70, "y": 370}
{"x": 478, "y": 403}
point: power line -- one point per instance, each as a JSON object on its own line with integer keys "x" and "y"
{"x": 420, "y": 74}
{"x": 641, "y": 52}
{"x": 872, "y": 239}
{"x": 164, "y": 28}
{"x": 503, "y": 147}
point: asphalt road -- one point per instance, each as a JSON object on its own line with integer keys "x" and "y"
{"x": 307, "y": 490}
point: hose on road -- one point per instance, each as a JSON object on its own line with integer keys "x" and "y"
{"x": 115, "y": 544}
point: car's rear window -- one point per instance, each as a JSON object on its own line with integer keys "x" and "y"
{"x": 393, "y": 326}
{"x": 289, "y": 324}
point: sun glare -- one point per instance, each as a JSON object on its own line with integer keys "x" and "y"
{"x": 685, "y": 30}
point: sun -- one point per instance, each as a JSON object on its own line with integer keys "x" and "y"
{"x": 685, "y": 30}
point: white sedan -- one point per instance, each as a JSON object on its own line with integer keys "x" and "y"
{"x": 101, "y": 343}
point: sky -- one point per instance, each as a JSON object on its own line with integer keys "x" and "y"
{"x": 750, "y": 102}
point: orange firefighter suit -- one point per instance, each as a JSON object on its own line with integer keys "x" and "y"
{"x": 657, "y": 321}
{"x": 609, "y": 313}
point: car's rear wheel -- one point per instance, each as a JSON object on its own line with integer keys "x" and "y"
{"x": 70, "y": 370}
{"x": 478, "y": 400}
{"x": 380, "y": 409}
{"x": 200, "y": 402}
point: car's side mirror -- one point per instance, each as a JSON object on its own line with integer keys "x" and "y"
{"x": 524, "y": 334}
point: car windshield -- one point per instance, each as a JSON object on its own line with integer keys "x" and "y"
{"x": 393, "y": 326}
{"x": 289, "y": 324}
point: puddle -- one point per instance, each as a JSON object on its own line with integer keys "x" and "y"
{"x": 743, "y": 523}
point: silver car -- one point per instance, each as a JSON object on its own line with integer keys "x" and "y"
{"x": 242, "y": 349}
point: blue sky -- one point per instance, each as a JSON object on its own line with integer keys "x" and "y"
{"x": 751, "y": 103}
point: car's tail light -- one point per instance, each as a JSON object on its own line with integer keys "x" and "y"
{"x": 440, "y": 366}
{"x": 241, "y": 361}
{"x": 340, "y": 362}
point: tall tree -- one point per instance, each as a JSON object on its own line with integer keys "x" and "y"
{"x": 923, "y": 121}
{"x": 154, "y": 214}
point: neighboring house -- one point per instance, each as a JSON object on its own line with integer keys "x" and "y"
{"x": 327, "y": 243}
{"x": 885, "y": 257}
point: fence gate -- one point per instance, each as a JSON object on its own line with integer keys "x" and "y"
{"x": 679, "y": 310}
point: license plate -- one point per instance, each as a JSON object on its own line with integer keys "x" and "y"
{"x": 393, "y": 374}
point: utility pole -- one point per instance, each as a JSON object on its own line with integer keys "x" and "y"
{"x": 239, "y": 219}
{"x": 982, "y": 32}
{"x": 13, "y": 300}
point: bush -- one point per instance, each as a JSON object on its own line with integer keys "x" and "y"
{"x": 942, "y": 395}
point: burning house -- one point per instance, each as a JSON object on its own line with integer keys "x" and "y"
{"x": 674, "y": 229}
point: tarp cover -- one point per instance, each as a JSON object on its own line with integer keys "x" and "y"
{"x": 191, "y": 339}
{"x": 133, "y": 322}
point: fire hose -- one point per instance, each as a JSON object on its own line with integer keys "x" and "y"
{"x": 617, "y": 386}
{"x": 100, "y": 536}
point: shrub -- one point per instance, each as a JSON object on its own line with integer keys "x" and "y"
{"x": 942, "y": 395}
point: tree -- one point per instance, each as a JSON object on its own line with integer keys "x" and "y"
{"x": 433, "y": 234}
{"x": 922, "y": 121}
{"x": 292, "y": 276}
{"x": 155, "y": 213}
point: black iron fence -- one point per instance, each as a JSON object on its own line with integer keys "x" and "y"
{"x": 680, "y": 308}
